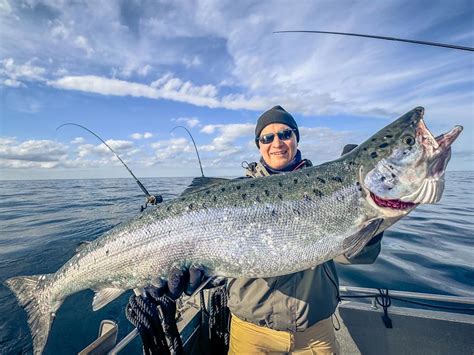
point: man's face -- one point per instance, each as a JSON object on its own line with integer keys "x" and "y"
{"x": 279, "y": 153}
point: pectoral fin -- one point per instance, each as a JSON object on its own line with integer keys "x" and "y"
{"x": 104, "y": 296}
{"x": 356, "y": 242}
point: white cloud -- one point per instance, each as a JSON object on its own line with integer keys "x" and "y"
{"x": 208, "y": 129}
{"x": 13, "y": 83}
{"x": 144, "y": 70}
{"x": 82, "y": 43}
{"x": 131, "y": 68}
{"x": 60, "y": 31}
{"x": 171, "y": 150}
{"x": 191, "y": 122}
{"x": 16, "y": 72}
{"x": 117, "y": 145}
{"x": 321, "y": 144}
{"x": 138, "y": 136}
{"x": 233, "y": 44}
{"x": 162, "y": 80}
{"x": 78, "y": 140}
{"x": 171, "y": 86}
{"x": 31, "y": 153}
{"x": 195, "y": 61}
{"x": 222, "y": 152}
{"x": 5, "y": 7}
{"x": 61, "y": 72}
{"x": 85, "y": 150}
{"x": 167, "y": 87}
{"x": 226, "y": 142}
{"x": 121, "y": 147}
{"x": 104, "y": 86}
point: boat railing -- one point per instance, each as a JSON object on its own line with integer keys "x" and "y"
{"x": 409, "y": 295}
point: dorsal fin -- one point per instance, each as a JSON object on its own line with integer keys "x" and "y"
{"x": 201, "y": 183}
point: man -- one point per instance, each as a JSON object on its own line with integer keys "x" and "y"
{"x": 285, "y": 314}
{"x": 291, "y": 313}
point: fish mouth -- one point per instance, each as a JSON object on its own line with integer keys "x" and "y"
{"x": 392, "y": 204}
{"x": 446, "y": 139}
{"x": 437, "y": 152}
{"x": 436, "y": 146}
{"x": 395, "y": 206}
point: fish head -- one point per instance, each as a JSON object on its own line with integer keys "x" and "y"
{"x": 403, "y": 165}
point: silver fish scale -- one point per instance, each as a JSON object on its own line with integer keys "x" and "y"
{"x": 263, "y": 239}
{"x": 275, "y": 239}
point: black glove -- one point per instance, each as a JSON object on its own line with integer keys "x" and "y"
{"x": 181, "y": 280}
{"x": 186, "y": 280}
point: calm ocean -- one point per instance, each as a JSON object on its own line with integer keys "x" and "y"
{"x": 42, "y": 222}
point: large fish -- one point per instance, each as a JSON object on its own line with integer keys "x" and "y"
{"x": 255, "y": 227}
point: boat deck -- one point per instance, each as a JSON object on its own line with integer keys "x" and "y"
{"x": 415, "y": 330}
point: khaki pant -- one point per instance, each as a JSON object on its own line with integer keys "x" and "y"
{"x": 248, "y": 338}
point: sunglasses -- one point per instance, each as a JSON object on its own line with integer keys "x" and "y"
{"x": 282, "y": 135}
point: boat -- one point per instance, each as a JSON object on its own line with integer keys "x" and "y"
{"x": 368, "y": 321}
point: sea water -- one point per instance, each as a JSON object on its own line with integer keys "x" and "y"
{"x": 42, "y": 223}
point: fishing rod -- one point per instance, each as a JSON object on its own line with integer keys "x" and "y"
{"x": 195, "y": 147}
{"x": 151, "y": 199}
{"x": 426, "y": 43}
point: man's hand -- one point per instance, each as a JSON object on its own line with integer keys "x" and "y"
{"x": 183, "y": 280}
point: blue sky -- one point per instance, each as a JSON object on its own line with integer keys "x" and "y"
{"x": 132, "y": 70}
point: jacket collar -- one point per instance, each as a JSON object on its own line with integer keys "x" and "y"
{"x": 262, "y": 169}
{"x": 290, "y": 167}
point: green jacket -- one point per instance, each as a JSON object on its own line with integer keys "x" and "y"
{"x": 296, "y": 301}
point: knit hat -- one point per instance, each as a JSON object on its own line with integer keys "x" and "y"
{"x": 276, "y": 114}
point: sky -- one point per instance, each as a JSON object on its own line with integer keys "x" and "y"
{"x": 133, "y": 70}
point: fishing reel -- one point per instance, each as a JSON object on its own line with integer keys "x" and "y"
{"x": 152, "y": 200}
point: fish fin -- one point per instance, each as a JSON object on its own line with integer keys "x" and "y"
{"x": 201, "y": 183}
{"x": 31, "y": 294}
{"x": 105, "y": 296}
{"x": 356, "y": 242}
{"x": 82, "y": 245}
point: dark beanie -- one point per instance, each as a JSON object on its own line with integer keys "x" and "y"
{"x": 276, "y": 114}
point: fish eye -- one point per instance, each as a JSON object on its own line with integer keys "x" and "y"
{"x": 409, "y": 140}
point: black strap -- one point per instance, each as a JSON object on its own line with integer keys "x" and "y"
{"x": 155, "y": 319}
{"x": 385, "y": 301}
{"x": 218, "y": 320}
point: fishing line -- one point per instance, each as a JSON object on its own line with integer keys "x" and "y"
{"x": 151, "y": 199}
{"x": 426, "y": 43}
{"x": 195, "y": 147}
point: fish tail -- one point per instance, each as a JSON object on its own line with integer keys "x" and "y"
{"x": 35, "y": 299}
